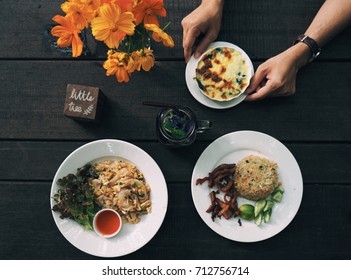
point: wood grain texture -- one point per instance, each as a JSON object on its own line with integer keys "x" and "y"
{"x": 183, "y": 234}
{"x": 39, "y": 161}
{"x": 32, "y": 106}
{"x": 35, "y": 136}
{"x": 262, "y": 28}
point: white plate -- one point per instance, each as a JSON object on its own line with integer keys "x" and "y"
{"x": 196, "y": 92}
{"x": 230, "y": 148}
{"x": 131, "y": 237}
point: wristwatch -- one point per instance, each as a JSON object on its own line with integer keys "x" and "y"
{"x": 312, "y": 44}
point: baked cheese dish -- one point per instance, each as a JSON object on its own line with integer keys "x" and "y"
{"x": 223, "y": 73}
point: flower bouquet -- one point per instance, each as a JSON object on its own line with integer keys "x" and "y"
{"x": 125, "y": 26}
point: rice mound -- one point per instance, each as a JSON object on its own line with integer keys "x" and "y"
{"x": 255, "y": 177}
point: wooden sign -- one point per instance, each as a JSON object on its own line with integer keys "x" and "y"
{"x": 83, "y": 102}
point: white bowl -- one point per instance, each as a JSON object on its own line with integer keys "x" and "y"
{"x": 248, "y": 71}
{"x": 107, "y": 218}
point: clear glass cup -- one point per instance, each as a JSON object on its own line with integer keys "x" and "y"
{"x": 178, "y": 126}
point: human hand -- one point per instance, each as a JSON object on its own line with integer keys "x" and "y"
{"x": 277, "y": 76}
{"x": 204, "y": 21}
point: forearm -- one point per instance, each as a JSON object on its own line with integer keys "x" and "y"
{"x": 332, "y": 18}
{"x": 214, "y": 5}
{"x": 277, "y": 75}
{"x": 218, "y": 2}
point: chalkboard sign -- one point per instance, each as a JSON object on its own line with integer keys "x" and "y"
{"x": 83, "y": 103}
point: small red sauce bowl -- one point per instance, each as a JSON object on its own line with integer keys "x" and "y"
{"x": 107, "y": 223}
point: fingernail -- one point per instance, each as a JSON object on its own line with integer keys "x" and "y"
{"x": 197, "y": 54}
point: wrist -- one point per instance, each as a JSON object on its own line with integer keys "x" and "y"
{"x": 217, "y": 2}
{"x": 315, "y": 50}
{"x": 301, "y": 54}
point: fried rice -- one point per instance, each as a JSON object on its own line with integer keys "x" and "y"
{"x": 256, "y": 177}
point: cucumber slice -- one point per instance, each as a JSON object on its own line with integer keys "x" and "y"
{"x": 277, "y": 196}
{"x": 279, "y": 189}
{"x": 267, "y": 216}
{"x": 259, "y": 206}
{"x": 269, "y": 205}
{"x": 258, "y": 219}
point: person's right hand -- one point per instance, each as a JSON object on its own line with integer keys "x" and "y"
{"x": 204, "y": 21}
{"x": 277, "y": 75}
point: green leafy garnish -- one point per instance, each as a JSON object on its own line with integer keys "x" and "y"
{"x": 177, "y": 124}
{"x": 75, "y": 198}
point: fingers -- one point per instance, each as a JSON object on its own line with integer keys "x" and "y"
{"x": 271, "y": 89}
{"x": 198, "y": 42}
{"x": 203, "y": 44}
{"x": 200, "y": 28}
{"x": 259, "y": 94}
{"x": 189, "y": 38}
{"x": 256, "y": 80}
{"x": 259, "y": 86}
{"x": 187, "y": 52}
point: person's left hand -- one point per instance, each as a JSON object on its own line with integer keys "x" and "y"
{"x": 201, "y": 27}
{"x": 277, "y": 76}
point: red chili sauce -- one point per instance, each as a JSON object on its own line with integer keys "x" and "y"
{"x": 107, "y": 222}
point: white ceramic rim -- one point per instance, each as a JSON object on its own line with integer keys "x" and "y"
{"x": 131, "y": 237}
{"x": 230, "y": 148}
{"x": 196, "y": 92}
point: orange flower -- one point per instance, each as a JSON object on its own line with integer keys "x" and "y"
{"x": 125, "y": 5}
{"x": 148, "y": 10}
{"x": 136, "y": 65}
{"x": 93, "y": 4}
{"x": 68, "y": 35}
{"x": 112, "y": 25}
{"x": 80, "y": 13}
{"x": 144, "y": 58}
{"x": 117, "y": 64}
{"x": 159, "y": 35}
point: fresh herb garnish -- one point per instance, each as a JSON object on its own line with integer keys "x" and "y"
{"x": 177, "y": 124}
{"x": 75, "y": 198}
{"x": 200, "y": 85}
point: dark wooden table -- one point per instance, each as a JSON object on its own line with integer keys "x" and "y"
{"x": 35, "y": 136}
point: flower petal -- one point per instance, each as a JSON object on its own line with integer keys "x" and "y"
{"x": 58, "y": 31}
{"x": 64, "y": 42}
{"x": 125, "y": 23}
{"x": 77, "y": 46}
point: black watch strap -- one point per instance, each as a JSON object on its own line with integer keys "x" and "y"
{"x": 312, "y": 44}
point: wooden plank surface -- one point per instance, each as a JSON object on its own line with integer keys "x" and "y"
{"x": 32, "y": 104}
{"x": 35, "y": 136}
{"x": 38, "y": 161}
{"x": 262, "y": 28}
{"x": 183, "y": 235}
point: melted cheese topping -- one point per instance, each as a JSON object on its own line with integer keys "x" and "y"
{"x": 222, "y": 73}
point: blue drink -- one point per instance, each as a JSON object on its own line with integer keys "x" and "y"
{"x": 177, "y": 127}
